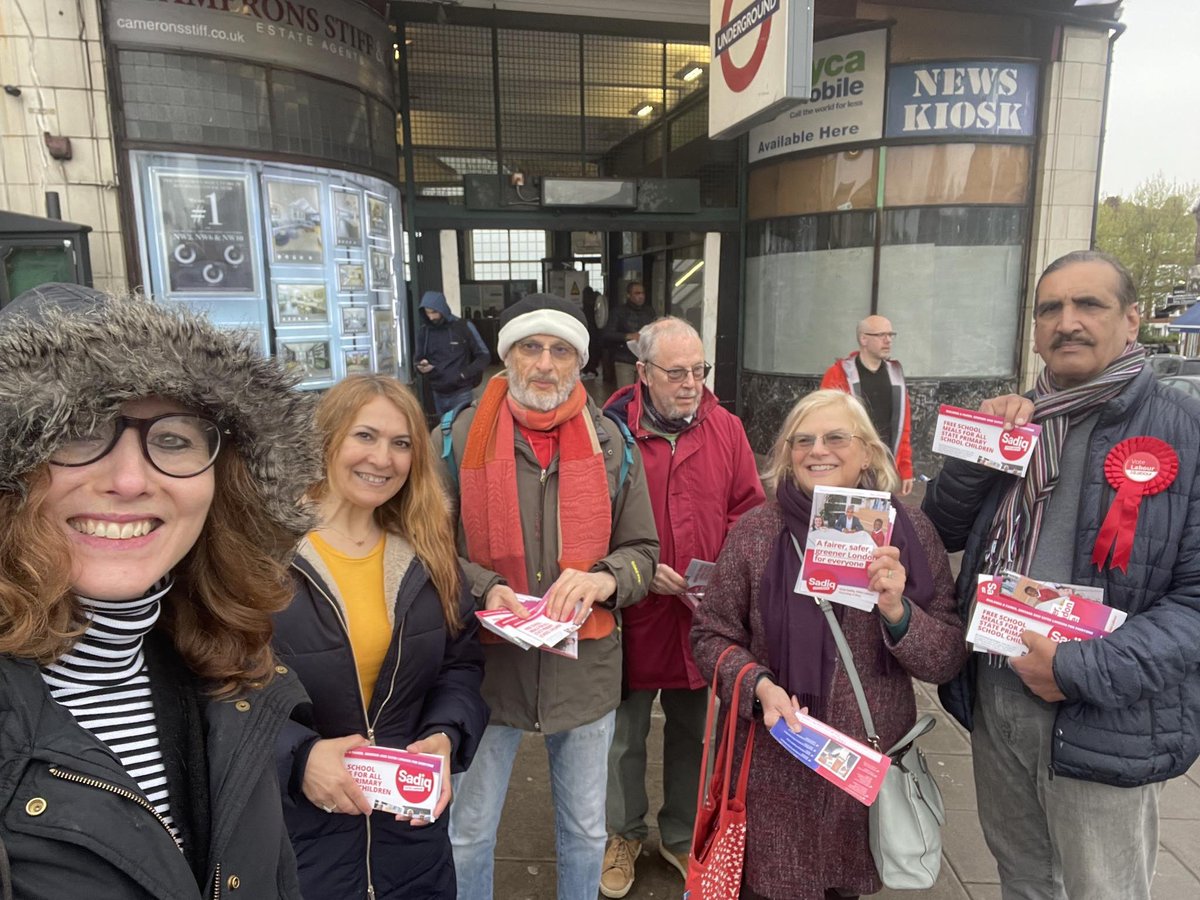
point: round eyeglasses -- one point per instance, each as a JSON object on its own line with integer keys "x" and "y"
{"x": 180, "y": 445}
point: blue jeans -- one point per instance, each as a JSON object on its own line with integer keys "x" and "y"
{"x": 578, "y": 775}
{"x": 443, "y": 403}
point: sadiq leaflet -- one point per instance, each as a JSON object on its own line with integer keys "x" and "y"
{"x": 396, "y": 781}
{"x": 980, "y": 438}
{"x": 999, "y": 620}
{"x": 846, "y": 527}
{"x": 842, "y": 761}
{"x": 538, "y": 630}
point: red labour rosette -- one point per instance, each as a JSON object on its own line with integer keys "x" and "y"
{"x": 1137, "y": 467}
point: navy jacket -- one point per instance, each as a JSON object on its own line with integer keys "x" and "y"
{"x": 429, "y": 682}
{"x": 1132, "y": 713}
{"x": 452, "y": 346}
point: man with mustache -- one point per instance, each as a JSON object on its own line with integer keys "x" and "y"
{"x": 1072, "y": 741}
{"x": 871, "y": 375}
{"x": 702, "y": 477}
{"x": 552, "y": 506}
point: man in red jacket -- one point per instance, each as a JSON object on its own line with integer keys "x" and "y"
{"x": 702, "y": 477}
{"x": 871, "y": 375}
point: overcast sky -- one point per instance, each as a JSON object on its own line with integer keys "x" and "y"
{"x": 1154, "y": 99}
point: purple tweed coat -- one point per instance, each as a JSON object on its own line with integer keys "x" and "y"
{"x": 803, "y": 834}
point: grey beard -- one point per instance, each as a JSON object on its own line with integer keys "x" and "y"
{"x": 536, "y": 400}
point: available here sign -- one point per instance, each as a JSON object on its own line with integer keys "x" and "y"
{"x": 762, "y": 51}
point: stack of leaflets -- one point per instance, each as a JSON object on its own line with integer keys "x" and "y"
{"x": 847, "y": 525}
{"x": 697, "y": 575}
{"x": 1008, "y": 604}
{"x": 980, "y": 438}
{"x": 537, "y": 630}
{"x": 396, "y": 781}
{"x": 844, "y": 762}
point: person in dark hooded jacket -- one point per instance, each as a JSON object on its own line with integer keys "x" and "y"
{"x": 382, "y": 635}
{"x": 148, "y": 512}
{"x": 450, "y": 353}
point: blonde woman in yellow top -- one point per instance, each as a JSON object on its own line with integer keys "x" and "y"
{"x": 382, "y": 635}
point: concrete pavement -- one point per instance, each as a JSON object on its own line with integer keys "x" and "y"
{"x": 525, "y": 851}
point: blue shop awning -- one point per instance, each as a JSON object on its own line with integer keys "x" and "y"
{"x": 1189, "y": 321}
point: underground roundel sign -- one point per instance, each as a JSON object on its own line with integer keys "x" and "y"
{"x": 751, "y": 25}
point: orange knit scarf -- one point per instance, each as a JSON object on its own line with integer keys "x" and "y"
{"x": 491, "y": 508}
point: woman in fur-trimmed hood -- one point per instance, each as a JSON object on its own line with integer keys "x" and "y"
{"x": 151, "y": 472}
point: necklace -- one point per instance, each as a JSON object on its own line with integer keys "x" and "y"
{"x": 350, "y": 537}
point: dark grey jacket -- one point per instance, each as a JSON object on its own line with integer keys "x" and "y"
{"x": 69, "y": 832}
{"x": 1132, "y": 713}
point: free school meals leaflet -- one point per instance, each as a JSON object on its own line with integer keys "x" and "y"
{"x": 842, "y": 761}
{"x": 980, "y": 438}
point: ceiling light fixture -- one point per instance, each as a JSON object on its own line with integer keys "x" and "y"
{"x": 642, "y": 110}
{"x": 690, "y": 72}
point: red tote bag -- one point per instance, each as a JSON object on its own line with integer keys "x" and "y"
{"x": 719, "y": 839}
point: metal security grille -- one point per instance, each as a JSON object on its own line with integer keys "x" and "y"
{"x": 484, "y": 100}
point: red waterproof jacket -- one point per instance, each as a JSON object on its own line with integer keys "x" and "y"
{"x": 697, "y": 491}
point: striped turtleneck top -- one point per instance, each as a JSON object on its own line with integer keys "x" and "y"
{"x": 104, "y": 683}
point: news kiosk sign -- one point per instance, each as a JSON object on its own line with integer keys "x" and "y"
{"x": 761, "y": 61}
{"x": 967, "y": 98}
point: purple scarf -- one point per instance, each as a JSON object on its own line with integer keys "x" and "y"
{"x": 800, "y": 647}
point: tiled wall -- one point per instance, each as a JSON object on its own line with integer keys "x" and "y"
{"x": 1067, "y": 167}
{"x": 56, "y": 60}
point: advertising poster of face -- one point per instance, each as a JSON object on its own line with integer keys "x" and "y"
{"x": 381, "y": 270}
{"x": 378, "y": 217}
{"x": 352, "y": 278}
{"x": 296, "y": 234}
{"x": 301, "y": 303}
{"x": 204, "y": 232}
{"x": 357, "y": 360}
{"x": 347, "y": 217}
{"x": 354, "y": 320}
{"x": 383, "y": 328}
{"x": 310, "y": 358}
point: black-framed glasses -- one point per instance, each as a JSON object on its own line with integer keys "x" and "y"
{"x": 833, "y": 440}
{"x": 890, "y": 335}
{"x": 678, "y": 376}
{"x": 180, "y": 445}
{"x": 534, "y": 350}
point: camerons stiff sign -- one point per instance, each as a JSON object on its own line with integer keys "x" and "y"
{"x": 761, "y": 61}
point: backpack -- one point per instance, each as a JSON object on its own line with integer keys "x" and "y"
{"x": 447, "y": 424}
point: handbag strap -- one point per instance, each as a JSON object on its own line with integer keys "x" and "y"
{"x": 847, "y": 661}
{"x": 725, "y": 743}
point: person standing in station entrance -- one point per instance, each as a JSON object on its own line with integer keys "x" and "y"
{"x": 871, "y": 375}
{"x": 450, "y": 353}
{"x": 553, "y": 503}
{"x": 701, "y": 474}
{"x": 623, "y": 326}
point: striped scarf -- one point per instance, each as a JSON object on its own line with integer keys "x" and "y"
{"x": 1018, "y": 521}
{"x": 103, "y": 682}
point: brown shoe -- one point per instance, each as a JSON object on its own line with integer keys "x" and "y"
{"x": 616, "y": 875}
{"x": 678, "y": 861}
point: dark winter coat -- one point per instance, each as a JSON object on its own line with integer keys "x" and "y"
{"x": 624, "y": 320}
{"x": 66, "y": 838}
{"x": 803, "y": 834}
{"x": 452, "y": 346}
{"x": 429, "y": 682}
{"x": 699, "y": 486}
{"x": 1133, "y": 698}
